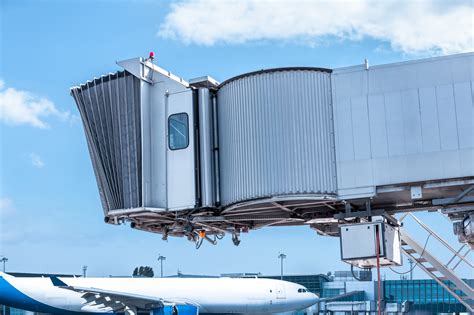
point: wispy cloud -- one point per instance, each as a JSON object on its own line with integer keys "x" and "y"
{"x": 36, "y": 160}
{"x": 424, "y": 26}
{"x": 6, "y": 206}
{"x": 19, "y": 107}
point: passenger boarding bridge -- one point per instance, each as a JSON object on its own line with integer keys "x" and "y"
{"x": 286, "y": 146}
{"x": 327, "y": 148}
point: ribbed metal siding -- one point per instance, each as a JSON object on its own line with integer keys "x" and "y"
{"x": 110, "y": 112}
{"x": 276, "y": 135}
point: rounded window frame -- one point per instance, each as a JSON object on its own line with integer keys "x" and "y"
{"x": 187, "y": 129}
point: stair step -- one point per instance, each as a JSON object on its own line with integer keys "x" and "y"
{"x": 442, "y": 278}
{"x": 431, "y": 269}
{"x": 421, "y": 260}
{"x": 404, "y": 243}
{"x": 410, "y": 251}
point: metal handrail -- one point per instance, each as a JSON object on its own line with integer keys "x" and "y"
{"x": 403, "y": 216}
{"x": 442, "y": 283}
{"x": 465, "y": 254}
{"x": 433, "y": 233}
{"x": 454, "y": 256}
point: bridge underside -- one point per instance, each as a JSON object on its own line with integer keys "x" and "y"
{"x": 321, "y": 213}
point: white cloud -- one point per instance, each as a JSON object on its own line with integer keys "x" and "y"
{"x": 6, "y": 206}
{"x": 24, "y": 108}
{"x": 423, "y": 26}
{"x": 36, "y": 160}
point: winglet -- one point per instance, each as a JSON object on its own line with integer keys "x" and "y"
{"x": 57, "y": 283}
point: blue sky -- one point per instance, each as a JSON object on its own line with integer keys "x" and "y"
{"x": 50, "y": 216}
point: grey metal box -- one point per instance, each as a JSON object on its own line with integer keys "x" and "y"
{"x": 358, "y": 244}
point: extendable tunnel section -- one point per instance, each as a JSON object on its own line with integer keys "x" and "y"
{"x": 276, "y": 138}
{"x": 110, "y": 110}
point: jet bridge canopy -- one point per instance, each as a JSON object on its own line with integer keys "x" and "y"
{"x": 287, "y": 146}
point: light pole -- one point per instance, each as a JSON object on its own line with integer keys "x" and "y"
{"x": 84, "y": 271}
{"x": 411, "y": 268}
{"x": 4, "y": 261}
{"x": 161, "y": 259}
{"x": 281, "y": 256}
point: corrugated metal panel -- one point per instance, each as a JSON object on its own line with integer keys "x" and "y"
{"x": 110, "y": 112}
{"x": 276, "y": 135}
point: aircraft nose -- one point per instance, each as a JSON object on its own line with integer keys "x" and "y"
{"x": 313, "y": 298}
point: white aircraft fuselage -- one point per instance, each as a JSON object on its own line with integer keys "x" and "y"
{"x": 209, "y": 295}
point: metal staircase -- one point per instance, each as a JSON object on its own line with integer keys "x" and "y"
{"x": 443, "y": 274}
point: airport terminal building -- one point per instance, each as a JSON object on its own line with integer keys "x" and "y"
{"x": 341, "y": 293}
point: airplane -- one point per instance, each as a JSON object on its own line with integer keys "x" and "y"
{"x": 153, "y": 296}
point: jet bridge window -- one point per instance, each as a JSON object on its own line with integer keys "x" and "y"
{"x": 178, "y": 131}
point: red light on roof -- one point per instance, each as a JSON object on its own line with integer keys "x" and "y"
{"x": 152, "y": 55}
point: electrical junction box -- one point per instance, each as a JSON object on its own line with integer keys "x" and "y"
{"x": 359, "y": 244}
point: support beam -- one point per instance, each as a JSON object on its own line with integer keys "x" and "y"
{"x": 462, "y": 197}
{"x": 359, "y": 214}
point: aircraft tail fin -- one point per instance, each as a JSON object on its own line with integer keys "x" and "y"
{"x": 57, "y": 283}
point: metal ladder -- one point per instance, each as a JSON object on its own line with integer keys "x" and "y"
{"x": 443, "y": 274}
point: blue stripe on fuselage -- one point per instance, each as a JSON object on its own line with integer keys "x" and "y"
{"x": 12, "y": 297}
